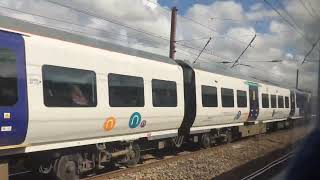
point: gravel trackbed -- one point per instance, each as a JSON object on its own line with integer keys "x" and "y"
{"x": 208, "y": 163}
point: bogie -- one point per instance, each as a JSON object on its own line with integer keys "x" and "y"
{"x": 133, "y": 156}
{"x": 66, "y": 168}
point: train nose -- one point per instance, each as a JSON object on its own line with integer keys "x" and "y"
{"x": 13, "y": 89}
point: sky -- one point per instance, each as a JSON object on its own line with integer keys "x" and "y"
{"x": 230, "y": 24}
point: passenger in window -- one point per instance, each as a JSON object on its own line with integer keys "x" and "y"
{"x": 77, "y": 96}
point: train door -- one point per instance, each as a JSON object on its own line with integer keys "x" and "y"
{"x": 254, "y": 102}
{"x": 293, "y": 103}
{"x": 13, "y": 90}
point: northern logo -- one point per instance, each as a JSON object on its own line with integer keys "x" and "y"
{"x": 273, "y": 113}
{"x": 135, "y": 120}
{"x": 109, "y": 124}
{"x": 238, "y": 115}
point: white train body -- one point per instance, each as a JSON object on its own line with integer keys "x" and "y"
{"x": 45, "y": 127}
{"x": 208, "y": 116}
{"x": 273, "y": 113}
{"x": 58, "y": 124}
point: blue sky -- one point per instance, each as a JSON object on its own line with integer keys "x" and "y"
{"x": 184, "y": 5}
{"x": 265, "y": 27}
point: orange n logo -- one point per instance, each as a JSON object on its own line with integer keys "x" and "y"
{"x": 109, "y": 124}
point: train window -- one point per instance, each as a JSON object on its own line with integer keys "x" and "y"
{"x": 286, "y": 102}
{"x": 209, "y": 96}
{"x": 164, "y": 93}
{"x": 265, "y": 101}
{"x": 241, "y": 98}
{"x": 8, "y": 78}
{"x": 280, "y": 102}
{"x": 68, "y": 87}
{"x": 273, "y": 101}
{"x": 227, "y": 97}
{"x": 125, "y": 91}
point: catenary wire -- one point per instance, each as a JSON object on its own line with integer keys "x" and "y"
{"x": 287, "y": 21}
{"x": 80, "y": 32}
{"x": 74, "y": 24}
{"x": 108, "y": 20}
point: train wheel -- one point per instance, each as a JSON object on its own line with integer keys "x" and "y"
{"x": 206, "y": 141}
{"x": 45, "y": 170}
{"x": 66, "y": 168}
{"x": 133, "y": 157}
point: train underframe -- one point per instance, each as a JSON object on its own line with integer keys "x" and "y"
{"x": 72, "y": 163}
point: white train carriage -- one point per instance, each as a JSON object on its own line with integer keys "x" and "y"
{"x": 274, "y": 103}
{"x": 121, "y": 89}
{"x": 216, "y": 103}
{"x": 225, "y": 101}
{"x": 84, "y": 101}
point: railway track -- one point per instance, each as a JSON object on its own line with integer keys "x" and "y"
{"x": 189, "y": 154}
{"x": 255, "y": 175}
{"x": 151, "y": 162}
{"x": 269, "y": 167}
{"x": 193, "y": 152}
{"x": 157, "y": 163}
{"x": 148, "y": 161}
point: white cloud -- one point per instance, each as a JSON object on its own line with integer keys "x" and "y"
{"x": 275, "y": 39}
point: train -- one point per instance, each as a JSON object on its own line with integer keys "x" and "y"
{"x": 71, "y": 104}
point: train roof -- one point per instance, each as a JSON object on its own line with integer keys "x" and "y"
{"x": 221, "y": 70}
{"x": 41, "y": 30}
{"x": 25, "y": 27}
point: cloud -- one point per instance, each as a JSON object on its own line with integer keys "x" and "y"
{"x": 275, "y": 42}
{"x": 230, "y": 25}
